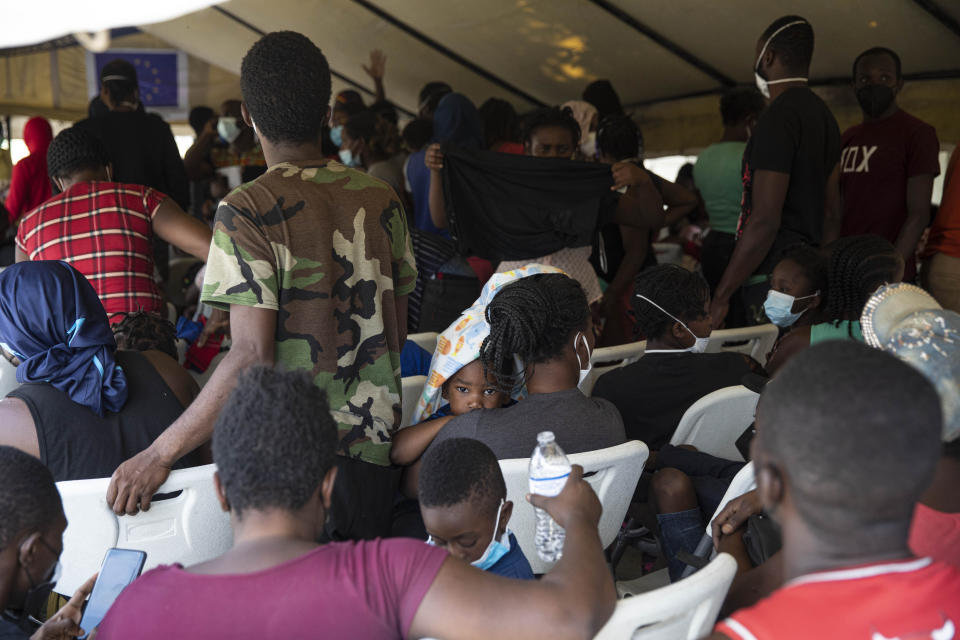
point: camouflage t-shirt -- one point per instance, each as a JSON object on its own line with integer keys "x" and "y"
{"x": 326, "y": 247}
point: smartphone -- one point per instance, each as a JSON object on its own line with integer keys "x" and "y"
{"x": 120, "y": 567}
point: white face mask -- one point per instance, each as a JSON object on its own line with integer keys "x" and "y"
{"x": 583, "y": 372}
{"x": 762, "y": 83}
{"x": 699, "y": 344}
{"x": 228, "y": 129}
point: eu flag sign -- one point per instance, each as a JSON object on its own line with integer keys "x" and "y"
{"x": 157, "y": 72}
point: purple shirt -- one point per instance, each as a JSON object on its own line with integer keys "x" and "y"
{"x": 360, "y": 590}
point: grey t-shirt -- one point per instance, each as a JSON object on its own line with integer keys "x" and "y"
{"x": 579, "y": 424}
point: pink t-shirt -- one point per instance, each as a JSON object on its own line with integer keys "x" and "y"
{"x": 936, "y": 534}
{"x": 362, "y": 590}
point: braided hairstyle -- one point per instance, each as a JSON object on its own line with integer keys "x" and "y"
{"x": 533, "y": 319}
{"x": 141, "y": 331}
{"x": 620, "y": 138}
{"x": 680, "y": 291}
{"x": 75, "y": 149}
{"x": 858, "y": 265}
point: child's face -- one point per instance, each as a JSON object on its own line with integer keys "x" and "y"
{"x": 466, "y": 529}
{"x": 468, "y": 390}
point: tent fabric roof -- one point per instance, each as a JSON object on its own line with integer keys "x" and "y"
{"x": 546, "y": 51}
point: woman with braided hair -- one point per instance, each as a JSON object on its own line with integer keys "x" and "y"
{"x": 857, "y": 267}
{"x": 543, "y": 323}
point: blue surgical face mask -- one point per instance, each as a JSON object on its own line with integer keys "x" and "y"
{"x": 336, "y": 135}
{"x": 347, "y": 158}
{"x": 495, "y": 550}
{"x": 779, "y": 308}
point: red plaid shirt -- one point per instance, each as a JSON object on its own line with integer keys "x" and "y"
{"x": 103, "y": 229}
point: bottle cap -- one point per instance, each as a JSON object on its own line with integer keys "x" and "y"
{"x": 545, "y": 437}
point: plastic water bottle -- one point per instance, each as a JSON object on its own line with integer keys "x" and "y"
{"x": 549, "y": 469}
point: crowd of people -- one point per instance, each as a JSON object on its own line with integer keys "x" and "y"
{"x": 321, "y": 235}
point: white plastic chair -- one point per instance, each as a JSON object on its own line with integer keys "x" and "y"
{"x": 620, "y": 355}
{"x": 613, "y": 473}
{"x": 714, "y": 422}
{"x": 188, "y": 529}
{"x": 744, "y": 481}
{"x": 684, "y": 610}
{"x": 410, "y": 388}
{"x": 426, "y": 340}
{"x": 759, "y": 341}
{"x": 8, "y": 378}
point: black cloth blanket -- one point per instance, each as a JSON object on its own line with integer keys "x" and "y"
{"x": 510, "y": 207}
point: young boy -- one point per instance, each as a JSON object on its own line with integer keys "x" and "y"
{"x": 463, "y": 501}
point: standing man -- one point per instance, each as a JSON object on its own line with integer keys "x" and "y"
{"x": 141, "y": 146}
{"x": 717, "y": 177}
{"x": 888, "y": 162}
{"x": 941, "y": 265}
{"x": 314, "y": 262}
{"x": 790, "y": 170}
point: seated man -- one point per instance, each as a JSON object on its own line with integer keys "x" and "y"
{"x": 461, "y": 493}
{"x": 104, "y": 228}
{"x": 275, "y": 447}
{"x": 847, "y": 441}
{"x": 31, "y": 541}
{"x": 671, "y": 306}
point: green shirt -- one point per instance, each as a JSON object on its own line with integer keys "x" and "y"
{"x": 843, "y": 330}
{"x": 718, "y": 176}
{"x": 327, "y": 248}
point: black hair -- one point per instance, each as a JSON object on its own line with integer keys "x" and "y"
{"x": 199, "y": 117}
{"x": 460, "y": 470}
{"x": 793, "y": 45}
{"x": 97, "y": 108}
{"x": 29, "y": 500}
{"x": 740, "y": 103}
{"x": 602, "y": 95}
{"x": 500, "y": 122}
{"x": 620, "y": 138}
{"x": 811, "y": 262}
{"x": 952, "y": 449}
{"x": 857, "y": 433}
{"x": 878, "y": 51}
{"x": 680, "y": 291}
{"x": 274, "y": 440}
{"x": 532, "y": 318}
{"x": 685, "y": 171}
{"x": 285, "y": 80}
{"x": 122, "y": 86}
{"x": 417, "y": 134}
{"x": 549, "y": 117}
{"x": 858, "y": 265}
{"x": 380, "y": 135}
{"x": 386, "y": 110}
{"x": 75, "y": 149}
{"x": 431, "y": 95}
{"x": 348, "y": 100}
{"x": 141, "y": 331}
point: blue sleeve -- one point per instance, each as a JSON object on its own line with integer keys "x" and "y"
{"x": 414, "y": 360}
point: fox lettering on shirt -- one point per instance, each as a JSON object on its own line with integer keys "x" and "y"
{"x": 856, "y": 159}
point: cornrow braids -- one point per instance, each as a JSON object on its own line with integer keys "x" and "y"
{"x": 858, "y": 265}
{"x": 533, "y": 319}
{"x": 141, "y": 331}
{"x": 73, "y": 150}
{"x": 680, "y": 291}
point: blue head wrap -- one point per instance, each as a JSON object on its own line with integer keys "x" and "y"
{"x": 457, "y": 121}
{"x": 53, "y": 321}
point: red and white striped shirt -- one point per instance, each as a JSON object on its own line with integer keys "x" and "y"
{"x": 916, "y": 599}
{"x": 103, "y": 229}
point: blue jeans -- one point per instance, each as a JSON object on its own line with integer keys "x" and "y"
{"x": 681, "y": 531}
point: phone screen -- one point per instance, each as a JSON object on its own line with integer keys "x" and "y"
{"x": 120, "y": 568}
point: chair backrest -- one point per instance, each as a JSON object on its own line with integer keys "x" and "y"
{"x": 426, "y": 340}
{"x": 606, "y": 359}
{"x": 188, "y": 528}
{"x": 684, "y": 610}
{"x": 613, "y": 473}
{"x": 410, "y": 390}
{"x": 8, "y": 378}
{"x": 757, "y": 341}
{"x": 744, "y": 481}
{"x": 714, "y": 422}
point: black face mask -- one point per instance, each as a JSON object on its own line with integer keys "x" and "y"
{"x": 35, "y": 601}
{"x": 874, "y": 99}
